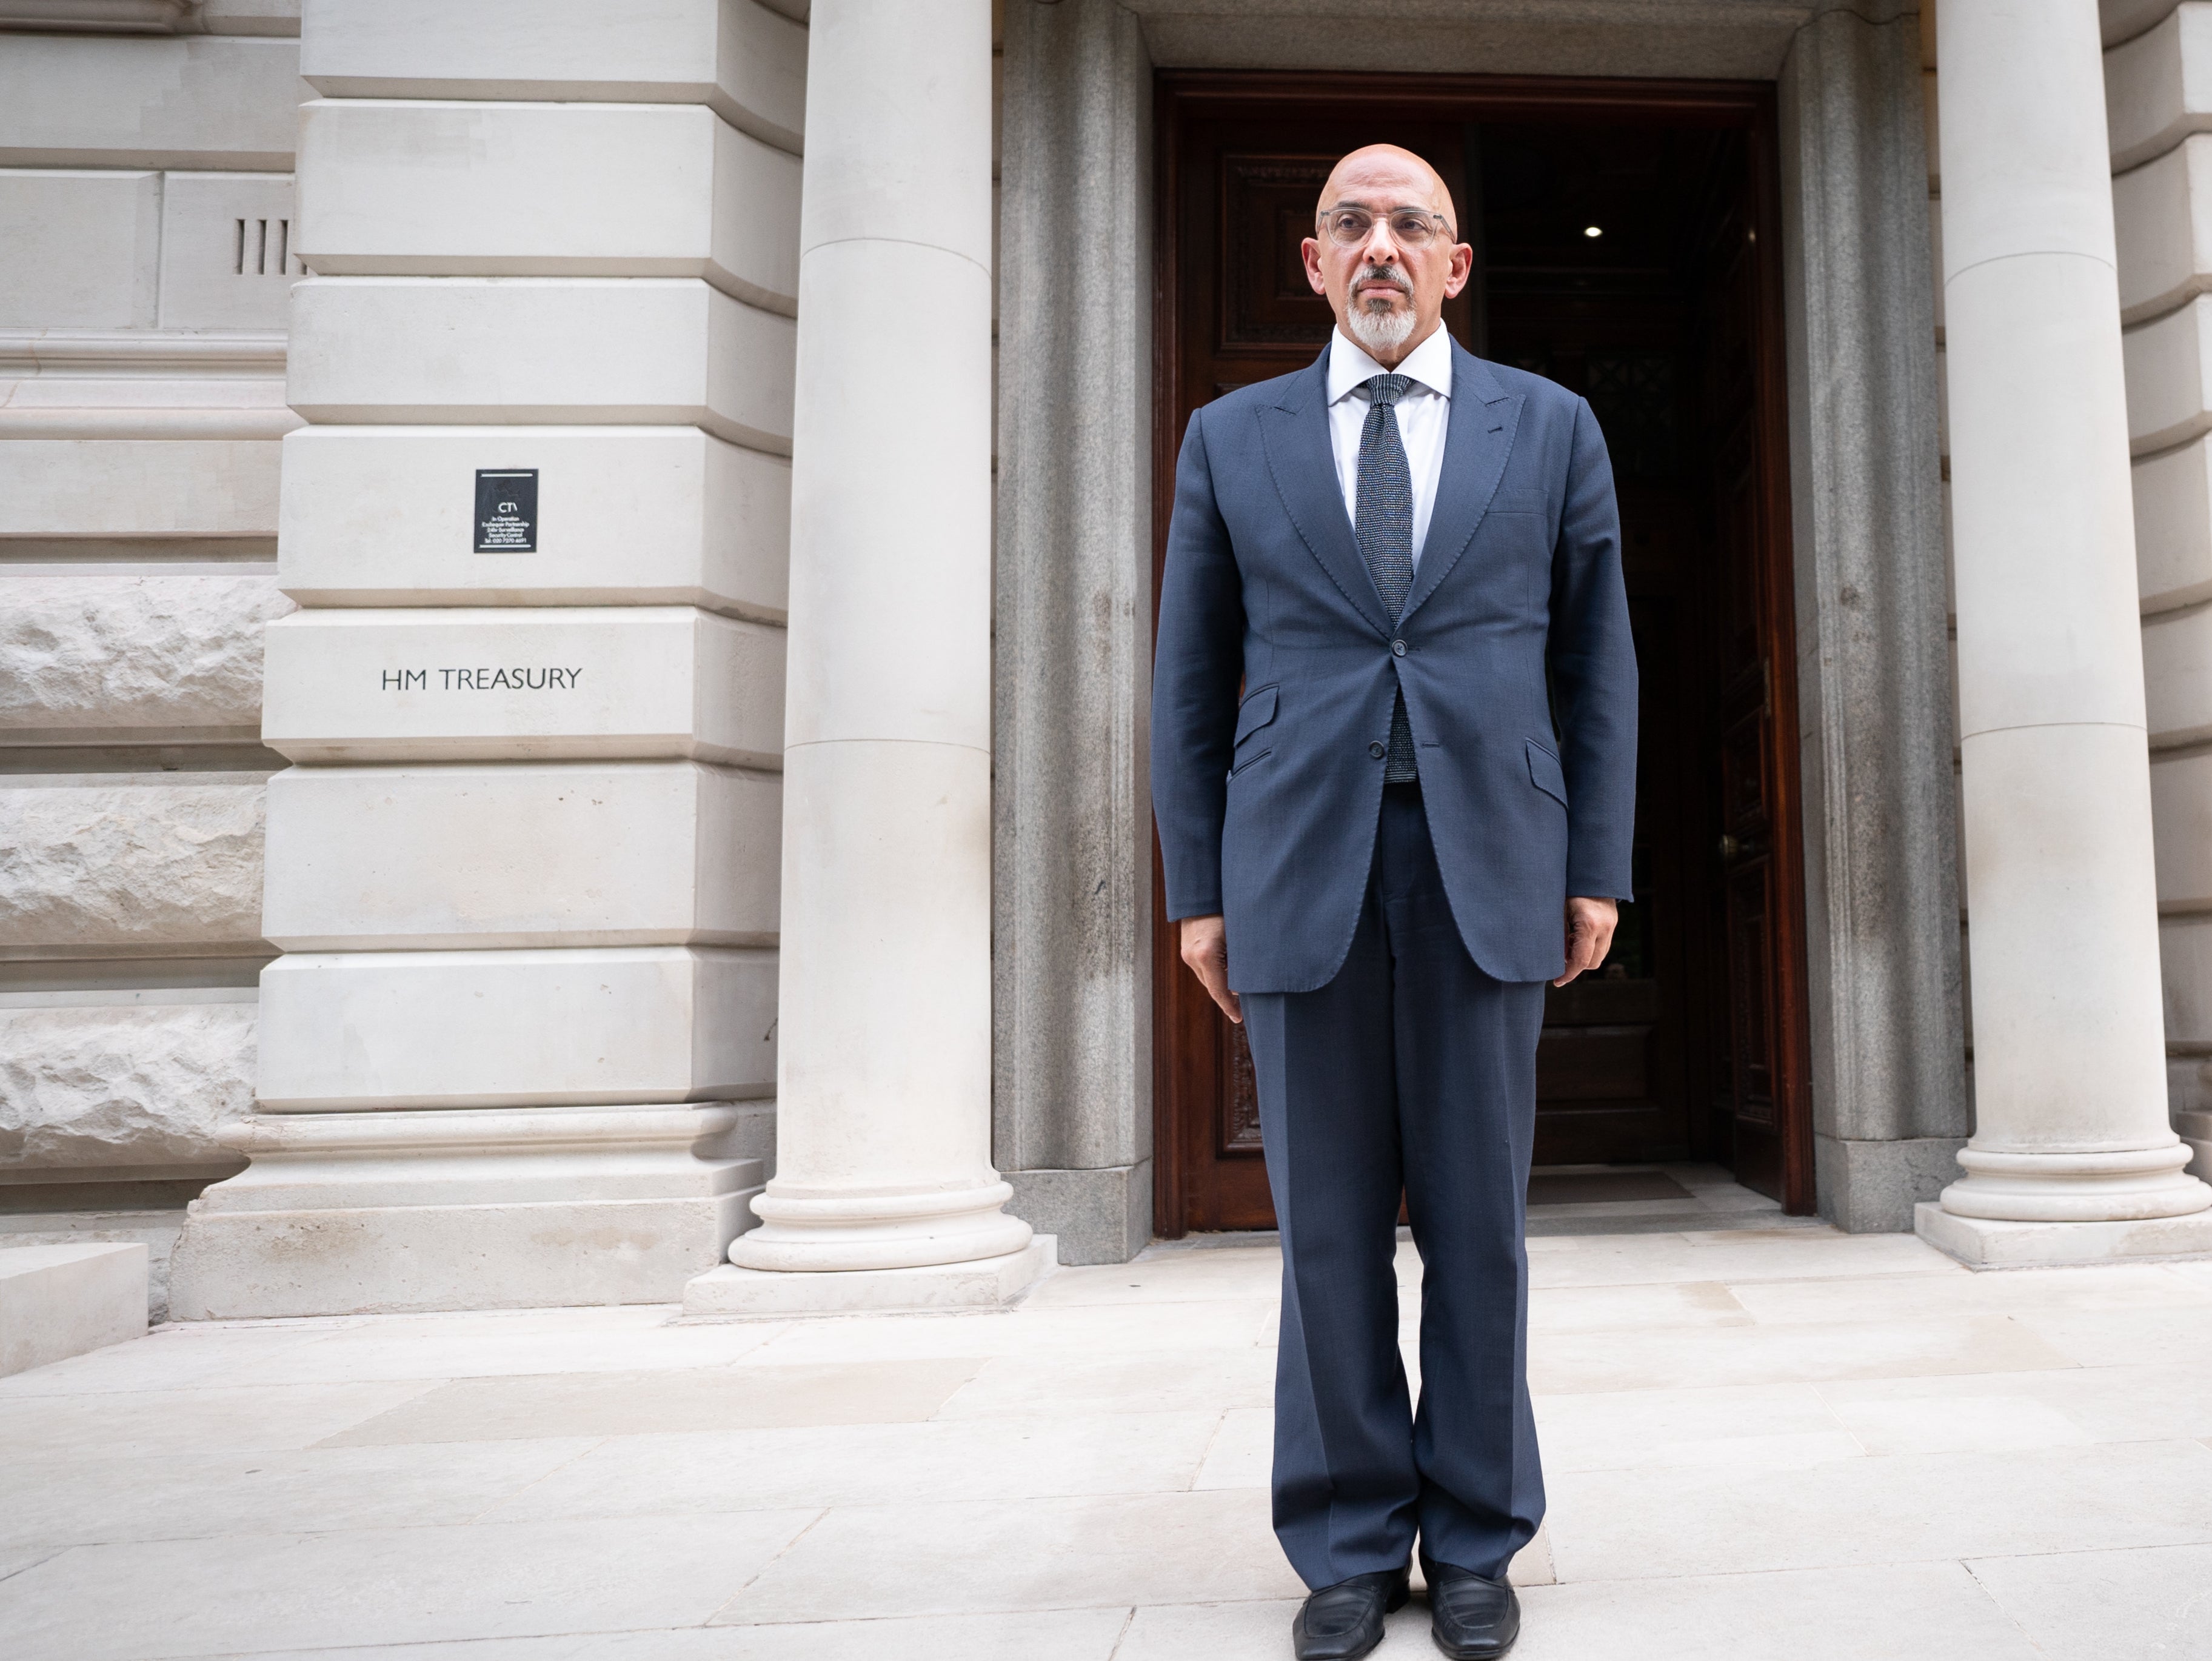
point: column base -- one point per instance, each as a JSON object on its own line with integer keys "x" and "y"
{"x": 1870, "y": 1187}
{"x": 984, "y": 1283}
{"x": 2131, "y": 1184}
{"x": 1098, "y": 1216}
{"x": 389, "y": 1212}
{"x": 1989, "y": 1242}
{"x": 2194, "y": 1127}
{"x": 829, "y": 1233}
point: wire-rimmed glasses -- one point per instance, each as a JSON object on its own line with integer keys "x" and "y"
{"x": 1410, "y": 228}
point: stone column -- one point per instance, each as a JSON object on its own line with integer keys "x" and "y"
{"x": 1071, "y": 807}
{"x": 883, "y": 1091}
{"x": 2073, "y": 1157}
{"x": 1874, "y": 675}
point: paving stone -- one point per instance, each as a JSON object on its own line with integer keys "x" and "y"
{"x": 1608, "y": 1525}
{"x": 260, "y": 1592}
{"x": 1958, "y": 1424}
{"x": 1677, "y": 1358}
{"x": 1776, "y": 1426}
{"x": 1033, "y": 1553}
{"x": 2092, "y": 1605}
{"x": 1048, "y": 1635}
{"x": 151, "y": 1422}
{"x": 849, "y": 1464}
{"x": 637, "y": 1338}
{"x": 693, "y": 1399}
{"x": 72, "y": 1501}
{"x": 1904, "y": 1611}
{"x": 2100, "y": 1337}
{"x": 1157, "y": 1381}
{"x": 2134, "y": 1403}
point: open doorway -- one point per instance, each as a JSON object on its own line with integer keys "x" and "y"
{"x": 1626, "y": 245}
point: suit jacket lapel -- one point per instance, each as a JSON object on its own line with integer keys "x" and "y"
{"x": 1478, "y": 438}
{"x": 1295, "y": 433}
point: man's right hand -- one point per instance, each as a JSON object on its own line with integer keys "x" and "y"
{"x": 1205, "y": 949}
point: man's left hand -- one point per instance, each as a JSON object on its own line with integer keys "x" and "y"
{"x": 1591, "y": 924}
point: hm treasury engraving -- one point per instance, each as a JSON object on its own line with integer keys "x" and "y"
{"x": 455, "y": 683}
{"x": 480, "y": 679}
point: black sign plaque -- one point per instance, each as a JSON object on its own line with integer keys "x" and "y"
{"x": 506, "y": 510}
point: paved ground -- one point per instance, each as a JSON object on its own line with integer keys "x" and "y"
{"x": 1763, "y": 1441}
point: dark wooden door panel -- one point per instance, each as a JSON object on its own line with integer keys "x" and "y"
{"x": 1266, "y": 210}
{"x": 1763, "y": 1089}
{"x": 1668, "y": 321}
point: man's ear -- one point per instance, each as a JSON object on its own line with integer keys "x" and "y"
{"x": 1463, "y": 268}
{"x": 1311, "y": 251}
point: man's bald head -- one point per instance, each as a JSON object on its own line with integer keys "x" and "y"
{"x": 1383, "y": 177}
{"x": 1386, "y": 250}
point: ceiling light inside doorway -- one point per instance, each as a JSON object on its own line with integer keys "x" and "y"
{"x": 1593, "y": 230}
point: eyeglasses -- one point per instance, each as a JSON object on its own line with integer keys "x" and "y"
{"x": 1410, "y": 228}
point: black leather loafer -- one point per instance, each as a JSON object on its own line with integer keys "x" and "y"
{"x": 1471, "y": 1618}
{"x": 1341, "y": 1622}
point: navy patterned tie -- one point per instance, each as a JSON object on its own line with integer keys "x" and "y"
{"x": 1385, "y": 530}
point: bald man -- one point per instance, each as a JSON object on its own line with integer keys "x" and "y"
{"x": 1394, "y": 760}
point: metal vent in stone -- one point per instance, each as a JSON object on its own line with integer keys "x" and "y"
{"x": 260, "y": 247}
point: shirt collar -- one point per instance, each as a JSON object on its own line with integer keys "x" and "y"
{"x": 1430, "y": 363}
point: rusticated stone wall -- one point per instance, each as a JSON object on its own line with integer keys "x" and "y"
{"x": 98, "y": 658}
{"x": 146, "y": 262}
{"x": 106, "y": 1090}
{"x": 118, "y": 866}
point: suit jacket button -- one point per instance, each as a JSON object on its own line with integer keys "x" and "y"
{"x": 1397, "y": 648}
{"x": 1377, "y": 750}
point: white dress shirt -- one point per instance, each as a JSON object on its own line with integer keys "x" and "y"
{"x": 1422, "y": 414}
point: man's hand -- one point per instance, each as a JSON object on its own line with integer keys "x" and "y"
{"x": 1205, "y": 949}
{"x": 1591, "y": 924}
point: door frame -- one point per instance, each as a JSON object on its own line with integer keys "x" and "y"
{"x": 1184, "y": 1084}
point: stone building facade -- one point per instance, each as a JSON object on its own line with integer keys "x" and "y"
{"x": 578, "y": 588}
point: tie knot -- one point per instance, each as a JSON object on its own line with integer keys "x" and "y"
{"x": 1387, "y": 389}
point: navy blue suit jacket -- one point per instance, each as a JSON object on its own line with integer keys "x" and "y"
{"x": 1266, "y": 809}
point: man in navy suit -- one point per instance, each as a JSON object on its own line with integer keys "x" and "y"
{"x": 1394, "y": 760}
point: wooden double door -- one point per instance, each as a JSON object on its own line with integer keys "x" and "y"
{"x": 1626, "y": 245}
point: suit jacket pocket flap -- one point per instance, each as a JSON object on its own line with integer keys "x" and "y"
{"x": 1258, "y": 709}
{"x": 1544, "y": 773}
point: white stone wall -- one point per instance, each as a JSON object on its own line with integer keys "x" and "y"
{"x": 148, "y": 247}
{"x": 621, "y": 321}
{"x": 2158, "y": 83}
{"x": 524, "y": 867}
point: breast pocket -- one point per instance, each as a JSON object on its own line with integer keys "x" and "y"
{"x": 1522, "y": 525}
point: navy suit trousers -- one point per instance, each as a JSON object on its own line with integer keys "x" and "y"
{"x": 1411, "y": 1070}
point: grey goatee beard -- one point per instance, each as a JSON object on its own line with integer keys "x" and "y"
{"x": 1379, "y": 331}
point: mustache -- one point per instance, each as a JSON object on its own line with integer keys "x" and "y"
{"x": 1390, "y": 274}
